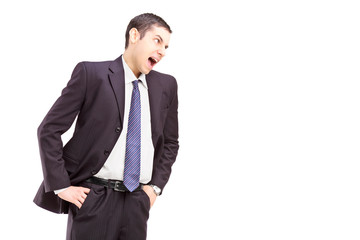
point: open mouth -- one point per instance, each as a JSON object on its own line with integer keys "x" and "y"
{"x": 153, "y": 61}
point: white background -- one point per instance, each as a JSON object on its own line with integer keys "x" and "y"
{"x": 269, "y": 113}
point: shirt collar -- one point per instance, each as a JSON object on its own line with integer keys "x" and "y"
{"x": 129, "y": 75}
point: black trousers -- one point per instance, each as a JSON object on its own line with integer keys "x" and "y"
{"x": 109, "y": 215}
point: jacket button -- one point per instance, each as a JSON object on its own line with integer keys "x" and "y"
{"x": 117, "y": 129}
{"x": 106, "y": 152}
{"x": 93, "y": 172}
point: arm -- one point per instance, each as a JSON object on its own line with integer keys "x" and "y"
{"x": 171, "y": 145}
{"x": 57, "y": 121}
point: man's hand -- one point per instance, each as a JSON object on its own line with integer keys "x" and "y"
{"x": 75, "y": 195}
{"x": 151, "y": 194}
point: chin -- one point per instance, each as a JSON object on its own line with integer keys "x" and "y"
{"x": 145, "y": 71}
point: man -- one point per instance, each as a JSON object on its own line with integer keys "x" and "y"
{"x": 125, "y": 141}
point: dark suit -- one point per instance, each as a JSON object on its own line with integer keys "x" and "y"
{"x": 96, "y": 94}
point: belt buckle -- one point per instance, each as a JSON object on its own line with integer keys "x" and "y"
{"x": 117, "y": 186}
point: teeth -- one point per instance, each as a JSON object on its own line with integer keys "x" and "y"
{"x": 155, "y": 60}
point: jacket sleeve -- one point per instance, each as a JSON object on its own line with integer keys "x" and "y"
{"x": 171, "y": 144}
{"x": 57, "y": 121}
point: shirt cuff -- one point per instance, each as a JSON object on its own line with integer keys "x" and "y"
{"x": 60, "y": 190}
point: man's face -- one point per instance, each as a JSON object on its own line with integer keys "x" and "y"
{"x": 149, "y": 50}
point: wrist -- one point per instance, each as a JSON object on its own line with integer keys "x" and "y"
{"x": 60, "y": 190}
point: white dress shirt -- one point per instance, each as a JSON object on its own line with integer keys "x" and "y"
{"x": 114, "y": 165}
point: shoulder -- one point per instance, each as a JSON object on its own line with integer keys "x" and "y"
{"x": 157, "y": 74}
{"x": 165, "y": 79}
{"x": 95, "y": 66}
{"x": 93, "y": 71}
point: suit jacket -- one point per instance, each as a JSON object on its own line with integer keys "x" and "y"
{"x": 96, "y": 95}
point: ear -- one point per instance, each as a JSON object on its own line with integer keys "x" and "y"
{"x": 134, "y": 35}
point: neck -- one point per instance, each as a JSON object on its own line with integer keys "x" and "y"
{"x": 128, "y": 59}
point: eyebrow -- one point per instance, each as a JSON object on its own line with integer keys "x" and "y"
{"x": 161, "y": 40}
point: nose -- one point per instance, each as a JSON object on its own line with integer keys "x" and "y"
{"x": 162, "y": 52}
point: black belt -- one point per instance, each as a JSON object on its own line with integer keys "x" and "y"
{"x": 113, "y": 184}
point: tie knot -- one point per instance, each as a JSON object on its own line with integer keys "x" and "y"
{"x": 135, "y": 83}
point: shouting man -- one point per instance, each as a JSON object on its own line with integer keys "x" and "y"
{"x": 125, "y": 142}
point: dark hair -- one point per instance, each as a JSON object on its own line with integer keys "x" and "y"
{"x": 143, "y": 23}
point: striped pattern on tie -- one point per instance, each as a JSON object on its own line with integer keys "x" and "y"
{"x": 133, "y": 142}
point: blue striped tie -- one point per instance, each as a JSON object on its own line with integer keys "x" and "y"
{"x": 133, "y": 142}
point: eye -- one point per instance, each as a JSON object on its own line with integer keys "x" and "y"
{"x": 157, "y": 40}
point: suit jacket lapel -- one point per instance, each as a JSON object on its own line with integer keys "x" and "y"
{"x": 117, "y": 81}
